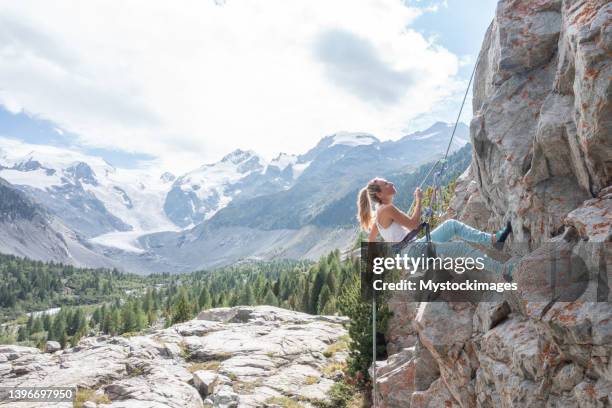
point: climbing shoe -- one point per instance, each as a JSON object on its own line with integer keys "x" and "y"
{"x": 502, "y": 234}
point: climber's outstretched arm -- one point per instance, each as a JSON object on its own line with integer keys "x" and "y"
{"x": 409, "y": 221}
{"x": 416, "y": 214}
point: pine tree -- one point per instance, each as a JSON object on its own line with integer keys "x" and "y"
{"x": 76, "y": 322}
{"x": 128, "y": 318}
{"x": 360, "y": 330}
{"x": 324, "y": 297}
{"x": 151, "y": 317}
{"x": 59, "y": 326}
{"x": 106, "y": 326}
{"x": 30, "y": 323}
{"x": 37, "y": 326}
{"x": 141, "y": 318}
{"x": 330, "y": 307}
{"x": 74, "y": 340}
{"x": 247, "y": 298}
{"x": 270, "y": 299}
{"x": 22, "y": 334}
{"x": 147, "y": 302}
{"x": 47, "y": 322}
{"x": 332, "y": 281}
{"x": 320, "y": 279}
{"x": 115, "y": 322}
{"x": 63, "y": 339}
{"x": 204, "y": 299}
{"x": 181, "y": 309}
{"x": 234, "y": 299}
{"x": 305, "y": 300}
{"x": 95, "y": 317}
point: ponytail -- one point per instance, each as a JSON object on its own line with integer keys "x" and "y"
{"x": 364, "y": 209}
{"x": 364, "y": 204}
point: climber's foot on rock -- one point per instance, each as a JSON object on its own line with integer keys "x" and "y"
{"x": 502, "y": 235}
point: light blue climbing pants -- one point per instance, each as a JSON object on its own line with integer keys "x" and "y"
{"x": 445, "y": 233}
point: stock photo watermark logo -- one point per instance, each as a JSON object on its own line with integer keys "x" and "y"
{"x": 458, "y": 272}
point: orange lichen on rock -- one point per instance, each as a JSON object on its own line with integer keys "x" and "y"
{"x": 586, "y": 15}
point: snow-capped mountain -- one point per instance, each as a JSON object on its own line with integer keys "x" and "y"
{"x": 353, "y": 139}
{"x": 199, "y": 194}
{"x": 288, "y": 167}
{"x": 337, "y": 165}
{"x": 27, "y": 229}
{"x": 90, "y": 196}
{"x": 139, "y": 218}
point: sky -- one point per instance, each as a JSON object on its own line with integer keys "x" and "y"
{"x": 179, "y": 84}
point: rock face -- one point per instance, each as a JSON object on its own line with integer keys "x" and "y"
{"x": 226, "y": 357}
{"x": 542, "y": 137}
{"x": 467, "y": 205}
{"x": 524, "y": 350}
{"x": 542, "y": 106}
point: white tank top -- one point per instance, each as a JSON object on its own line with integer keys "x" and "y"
{"x": 393, "y": 233}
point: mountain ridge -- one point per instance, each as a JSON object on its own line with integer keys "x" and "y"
{"x": 139, "y": 220}
{"x": 27, "y": 229}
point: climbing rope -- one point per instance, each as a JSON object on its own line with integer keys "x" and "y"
{"x": 374, "y": 394}
{"x": 450, "y": 142}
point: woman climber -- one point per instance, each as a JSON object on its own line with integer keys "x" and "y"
{"x": 393, "y": 225}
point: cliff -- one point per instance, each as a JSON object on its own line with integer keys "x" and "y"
{"x": 542, "y": 158}
{"x": 542, "y": 121}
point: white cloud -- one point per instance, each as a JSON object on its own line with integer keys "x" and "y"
{"x": 188, "y": 81}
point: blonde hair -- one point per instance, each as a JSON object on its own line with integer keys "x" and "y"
{"x": 364, "y": 203}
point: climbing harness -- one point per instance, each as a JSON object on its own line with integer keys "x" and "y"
{"x": 411, "y": 236}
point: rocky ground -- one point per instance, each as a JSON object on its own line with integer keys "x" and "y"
{"x": 227, "y": 357}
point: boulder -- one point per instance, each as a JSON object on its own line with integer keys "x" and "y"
{"x": 205, "y": 381}
{"x": 225, "y": 397}
{"x": 172, "y": 350}
{"x": 12, "y": 352}
{"x": 405, "y": 373}
{"x": 437, "y": 395}
{"x": 52, "y": 347}
{"x": 445, "y": 329}
{"x": 593, "y": 219}
{"x": 401, "y": 333}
